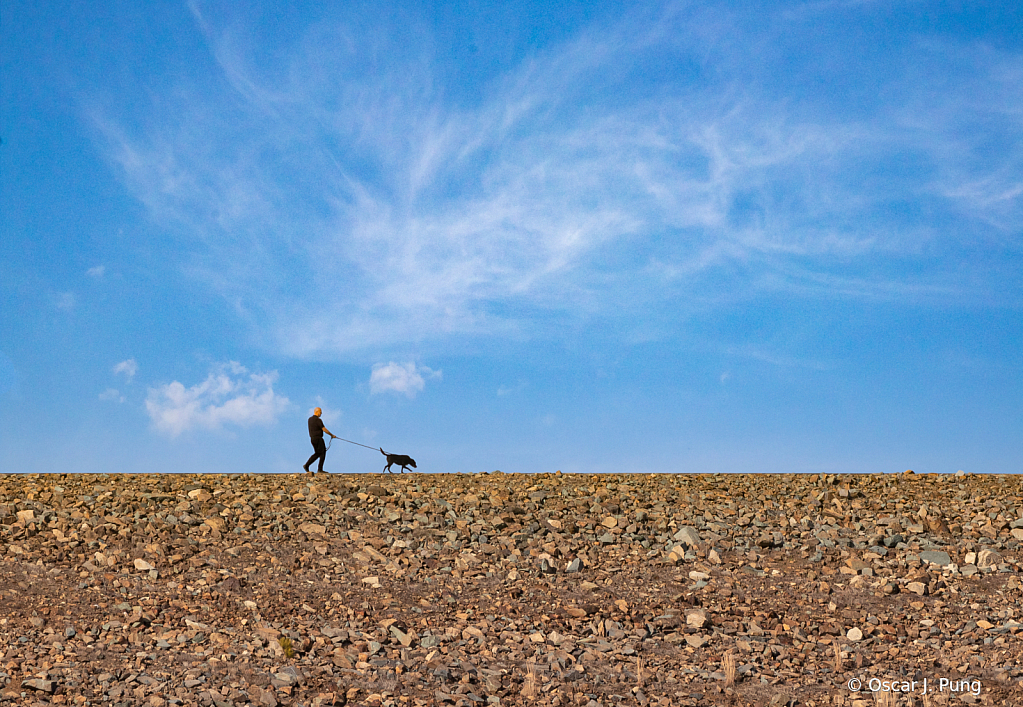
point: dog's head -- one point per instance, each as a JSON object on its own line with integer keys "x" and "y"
{"x": 412, "y": 463}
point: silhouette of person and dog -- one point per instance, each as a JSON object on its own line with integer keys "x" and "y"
{"x": 316, "y": 431}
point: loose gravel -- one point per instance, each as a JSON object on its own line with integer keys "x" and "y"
{"x": 500, "y": 589}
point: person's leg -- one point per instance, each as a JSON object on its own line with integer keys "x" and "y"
{"x": 321, "y": 452}
{"x": 315, "y": 456}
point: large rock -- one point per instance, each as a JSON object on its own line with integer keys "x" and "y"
{"x": 696, "y": 640}
{"x": 936, "y": 557}
{"x": 216, "y": 523}
{"x": 697, "y": 619}
{"x": 988, "y": 558}
{"x": 917, "y": 588}
{"x": 39, "y": 684}
{"x": 688, "y": 536}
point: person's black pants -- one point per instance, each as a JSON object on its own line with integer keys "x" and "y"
{"x": 320, "y": 453}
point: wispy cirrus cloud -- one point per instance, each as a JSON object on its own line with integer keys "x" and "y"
{"x": 652, "y": 161}
{"x": 230, "y": 395}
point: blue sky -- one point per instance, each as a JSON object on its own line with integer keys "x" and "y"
{"x": 687, "y": 237}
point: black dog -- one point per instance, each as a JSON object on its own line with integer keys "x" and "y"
{"x": 404, "y": 460}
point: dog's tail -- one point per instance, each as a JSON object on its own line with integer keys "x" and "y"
{"x": 382, "y": 451}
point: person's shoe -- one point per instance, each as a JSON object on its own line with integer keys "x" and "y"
{"x": 321, "y": 471}
{"x": 306, "y": 469}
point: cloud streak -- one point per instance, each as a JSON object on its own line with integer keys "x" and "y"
{"x": 577, "y": 187}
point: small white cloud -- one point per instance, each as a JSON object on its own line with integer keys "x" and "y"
{"x": 724, "y": 377}
{"x": 112, "y": 394}
{"x": 221, "y": 399}
{"x": 406, "y": 378}
{"x": 129, "y": 368}
{"x": 96, "y": 271}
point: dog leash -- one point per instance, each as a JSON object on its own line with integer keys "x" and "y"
{"x": 351, "y": 442}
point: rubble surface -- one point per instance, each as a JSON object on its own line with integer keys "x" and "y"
{"x": 501, "y": 589}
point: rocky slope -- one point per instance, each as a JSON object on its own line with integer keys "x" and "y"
{"x": 510, "y": 589}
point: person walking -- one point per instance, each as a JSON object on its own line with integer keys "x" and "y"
{"x": 316, "y": 430}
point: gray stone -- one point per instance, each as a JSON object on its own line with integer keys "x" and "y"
{"x": 893, "y": 540}
{"x": 688, "y": 536}
{"x": 574, "y": 566}
{"x": 936, "y": 557}
{"x": 331, "y": 632}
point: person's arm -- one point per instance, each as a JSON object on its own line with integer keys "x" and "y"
{"x": 330, "y": 433}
